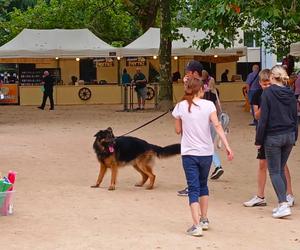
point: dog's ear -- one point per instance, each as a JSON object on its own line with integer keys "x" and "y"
{"x": 111, "y": 132}
{"x": 98, "y": 133}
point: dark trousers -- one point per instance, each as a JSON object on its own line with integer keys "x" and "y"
{"x": 45, "y": 96}
{"x": 196, "y": 170}
{"x": 278, "y": 149}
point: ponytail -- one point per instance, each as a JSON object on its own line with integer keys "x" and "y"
{"x": 191, "y": 88}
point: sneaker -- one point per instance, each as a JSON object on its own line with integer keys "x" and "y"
{"x": 290, "y": 200}
{"x": 282, "y": 210}
{"x": 195, "y": 230}
{"x": 183, "y": 192}
{"x": 217, "y": 173}
{"x": 204, "y": 223}
{"x": 255, "y": 201}
{"x": 275, "y": 209}
{"x": 40, "y": 108}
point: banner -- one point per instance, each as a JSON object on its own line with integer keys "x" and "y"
{"x": 9, "y": 93}
{"x": 136, "y": 61}
{"x": 105, "y": 62}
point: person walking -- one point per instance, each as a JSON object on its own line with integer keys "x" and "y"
{"x": 259, "y": 198}
{"x": 252, "y": 87}
{"x": 48, "y": 83}
{"x": 195, "y": 69}
{"x": 277, "y": 130}
{"x": 193, "y": 116}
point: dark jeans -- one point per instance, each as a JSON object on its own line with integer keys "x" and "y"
{"x": 278, "y": 149}
{"x": 45, "y": 96}
{"x": 250, "y": 97}
{"x": 196, "y": 170}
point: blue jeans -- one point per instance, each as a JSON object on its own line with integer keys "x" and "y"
{"x": 250, "y": 96}
{"x": 278, "y": 149}
{"x": 196, "y": 169}
{"x": 216, "y": 158}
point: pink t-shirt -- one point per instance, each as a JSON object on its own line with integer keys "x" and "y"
{"x": 196, "y": 139}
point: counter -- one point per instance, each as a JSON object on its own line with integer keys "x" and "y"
{"x": 113, "y": 94}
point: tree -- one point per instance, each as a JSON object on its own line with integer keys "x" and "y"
{"x": 145, "y": 11}
{"x": 102, "y": 17}
{"x": 275, "y": 24}
{"x": 166, "y": 92}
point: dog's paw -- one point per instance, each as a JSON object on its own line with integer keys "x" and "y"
{"x": 138, "y": 184}
{"x": 111, "y": 188}
{"x": 95, "y": 186}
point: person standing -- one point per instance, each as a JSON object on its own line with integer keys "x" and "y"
{"x": 48, "y": 83}
{"x": 126, "y": 80}
{"x": 259, "y": 198}
{"x": 141, "y": 88}
{"x": 278, "y": 131}
{"x": 252, "y": 87}
{"x": 193, "y": 116}
{"x": 224, "y": 76}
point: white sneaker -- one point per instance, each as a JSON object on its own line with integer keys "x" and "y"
{"x": 195, "y": 230}
{"x": 255, "y": 201}
{"x": 290, "y": 200}
{"x": 204, "y": 223}
{"x": 283, "y": 210}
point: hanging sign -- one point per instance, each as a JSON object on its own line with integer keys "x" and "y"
{"x": 105, "y": 62}
{"x": 136, "y": 61}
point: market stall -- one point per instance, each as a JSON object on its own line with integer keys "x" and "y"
{"x": 61, "y": 52}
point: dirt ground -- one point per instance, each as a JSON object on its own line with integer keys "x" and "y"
{"x": 55, "y": 208}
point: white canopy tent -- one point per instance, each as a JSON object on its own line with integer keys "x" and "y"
{"x": 62, "y": 43}
{"x": 295, "y": 49}
{"x": 148, "y": 45}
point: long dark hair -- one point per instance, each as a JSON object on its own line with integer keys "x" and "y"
{"x": 191, "y": 88}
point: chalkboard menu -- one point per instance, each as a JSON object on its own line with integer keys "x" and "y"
{"x": 35, "y": 76}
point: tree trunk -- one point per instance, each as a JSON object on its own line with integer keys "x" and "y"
{"x": 166, "y": 91}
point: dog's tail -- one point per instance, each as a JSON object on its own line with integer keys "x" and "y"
{"x": 167, "y": 151}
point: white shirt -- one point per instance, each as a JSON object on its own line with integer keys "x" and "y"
{"x": 196, "y": 138}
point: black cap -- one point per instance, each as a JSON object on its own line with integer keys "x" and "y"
{"x": 194, "y": 66}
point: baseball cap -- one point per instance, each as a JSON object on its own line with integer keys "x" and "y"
{"x": 194, "y": 66}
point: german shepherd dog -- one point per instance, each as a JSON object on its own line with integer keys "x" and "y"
{"x": 113, "y": 152}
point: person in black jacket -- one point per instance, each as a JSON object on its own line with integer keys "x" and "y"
{"x": 278, "y": 131}
{"x": 48, "y": 83}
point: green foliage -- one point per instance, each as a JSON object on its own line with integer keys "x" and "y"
{"x": 106, "y": 19}
{"x": 274, "y": 23}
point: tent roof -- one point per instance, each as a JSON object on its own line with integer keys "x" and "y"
{"x": 63, "y": 43}
{"x": 295, "y": 49}
{"x": 148, "y": 45}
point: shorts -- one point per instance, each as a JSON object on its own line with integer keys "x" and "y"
{"x": 261, "y": 153}
{"x": 142, "y": 93}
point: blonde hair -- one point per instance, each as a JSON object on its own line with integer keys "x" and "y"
{"x": 264, "y": 75}
{"x": 191, "y": 88}
{"x": 279, "y": 74}
{"x": 204, "y": 73}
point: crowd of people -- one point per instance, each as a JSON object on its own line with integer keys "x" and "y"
{"x": 274, "y": 110}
